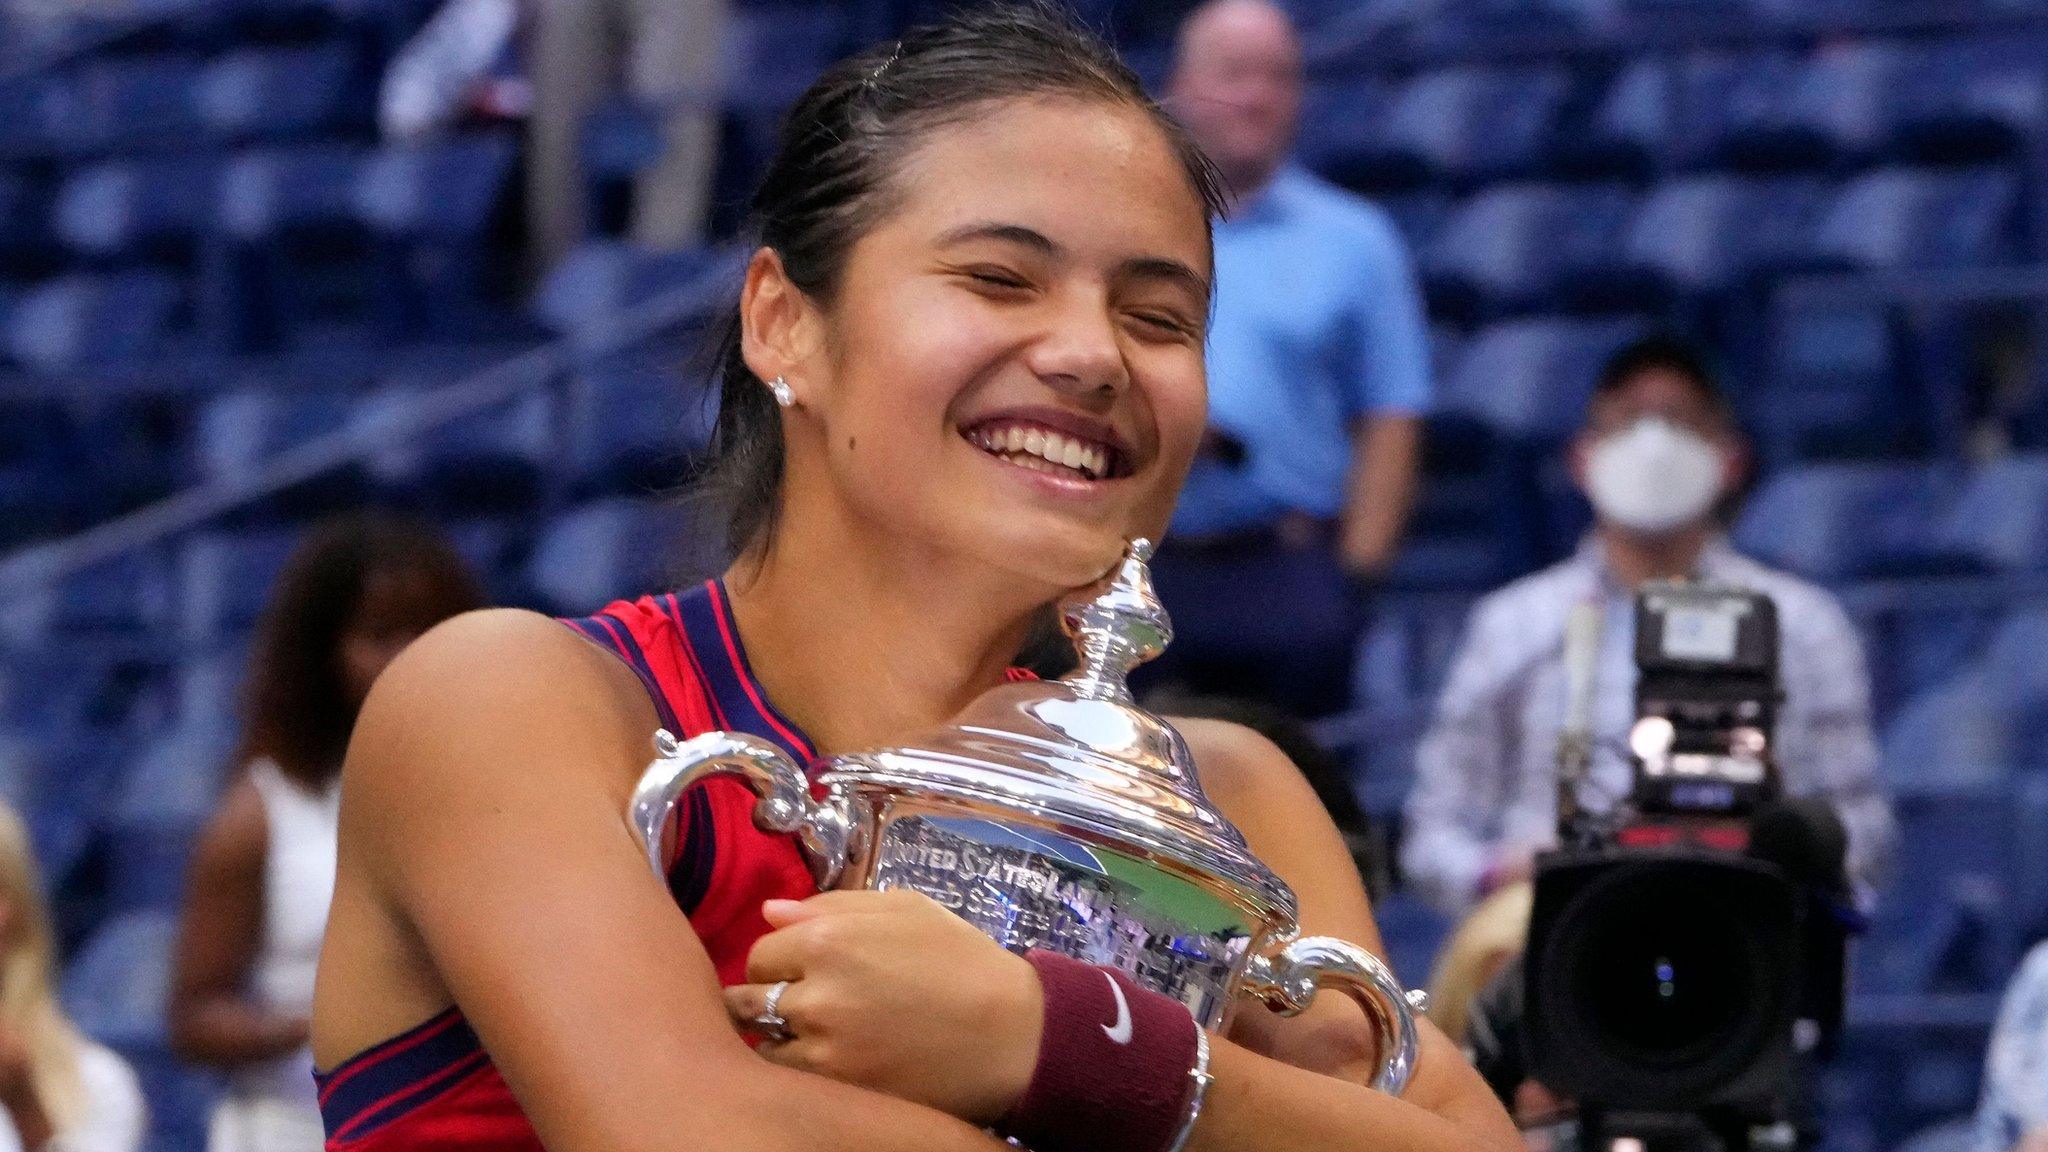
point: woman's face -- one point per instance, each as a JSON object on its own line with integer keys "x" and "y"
{"x": 1011, "y": 368}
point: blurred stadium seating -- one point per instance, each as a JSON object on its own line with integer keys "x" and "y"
{"x": 209, "y": 266}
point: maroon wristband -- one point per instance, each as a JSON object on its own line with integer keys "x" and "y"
{"x": 1113, "y": 1064}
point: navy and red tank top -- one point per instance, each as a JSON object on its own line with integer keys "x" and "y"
{"x": 434, "y": 1085}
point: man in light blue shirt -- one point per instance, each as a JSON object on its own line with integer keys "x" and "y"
{"x": 1318, "y": 378}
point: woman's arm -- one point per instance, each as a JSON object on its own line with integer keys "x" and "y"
{"x": 484, "y": 810}
{"x": 891, "y": 992}
{"x": 1286, "y": 1084}
{"x": 220, "y": 929}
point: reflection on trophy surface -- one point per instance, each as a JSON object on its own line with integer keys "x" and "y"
{"x": 1039, "y": 889}
{"x": 1058, "y": 815}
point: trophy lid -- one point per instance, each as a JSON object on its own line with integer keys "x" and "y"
{"x": 1078, "y": 753}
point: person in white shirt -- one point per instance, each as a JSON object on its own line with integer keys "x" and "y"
{"x": 351, "y": 598}
{"x": 59, "y": 1091}
{"x": 1659, "y": 456}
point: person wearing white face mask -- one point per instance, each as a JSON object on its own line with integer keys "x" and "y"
{"x": 1659, "y": 457}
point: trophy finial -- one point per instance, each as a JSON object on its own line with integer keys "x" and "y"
{"x": 1116, "y": 626}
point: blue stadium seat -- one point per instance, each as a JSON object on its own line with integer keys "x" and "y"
{"x": 1706, "y": 234}
{"x": 1911, "y": 218}
{"x": 1721, "y": 94}
{"x": 273, "y": 190}
{"x": 1341, "y": 129}
{"x": 23, "y": 216}
{"x": 1921, "y": 634}
{"x": 1710, "y": 13}
{"x": 1531, "y": 378}
{"x": 2013, "y": 661}
{"x": 1414, "y": 933}
{"x": 1473, "y": 26}
{"x": 1628, "y": 129}
{"x": 238, "y": 432}
{"x": 36, "y": 101}
{"x": 1836, "y": 388}
{"x": 225, "y": 579}
{"x": 633, "y": 424}
{"x": 616, "y": 548}
{"x": 1963, "y": 892}
{"x": 1514, "y": 247}
{"x": 1406, "y": 653}
{"x": 603, "y": 278}
{"x": 1957, "y": 1135}
{"x": 118, "y": 986}
{"x": 492, "y": 461}
{"x": 125, "y": 102}
{"x": 273, "y": 93}
{"x": 122, "y": 599}
{"x": 84, "y": 319}
{"x": 2014, "y": 658}
{"x": 122, "y": 209}
{"x": 64, "y": 688}
{"x": 1833, "y": 522}
{"x": 58, "y": 785}
{"x": 2001, "y": 518}
{"x": 209, "y": 690}
{"x": 442, "y": 191}
{"x": 1418, "y": 216}
{"x": 1463, "y": 124}
{"x": 1832, "y": 108}
{"x": 158, "y": 811}
{"x": 1959, "y": 733}
{"x": 780, "y": 48}
{"x": 1971, "y": 98}
{"x": 181, "y": 1098}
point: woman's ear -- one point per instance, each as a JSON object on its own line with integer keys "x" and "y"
{"x": 779, "y": 326}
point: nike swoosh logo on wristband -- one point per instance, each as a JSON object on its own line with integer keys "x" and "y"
{"x": 1119, "y": 1032}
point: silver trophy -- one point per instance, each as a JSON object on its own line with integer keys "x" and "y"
{"x": 1059, "y": 815}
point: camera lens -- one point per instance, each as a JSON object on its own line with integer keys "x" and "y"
{"x": 1660, "y": 981}
{"x": 1664, "y": 983}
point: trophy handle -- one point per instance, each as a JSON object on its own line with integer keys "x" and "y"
{"x": 1288, "y": 980}
{"x": 824, "y": 829}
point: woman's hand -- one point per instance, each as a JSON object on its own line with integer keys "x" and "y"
{"x": 891, "y": 992}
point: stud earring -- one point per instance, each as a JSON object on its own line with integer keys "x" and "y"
{"x": 784, "y": 394}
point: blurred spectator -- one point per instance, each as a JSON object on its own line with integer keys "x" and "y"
{"x": 354, "y": 594}
{"x": 1318, "y": 376}
{"x": 666, "y": 54}
{"x": 2013, "y": 1116}
{"x": 58, "y": 1090}
{"x": 1486, "y": 942}
{"x": 453, "y": 69}
{"x": 1658, "y": 455}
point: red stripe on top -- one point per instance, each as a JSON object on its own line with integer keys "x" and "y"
{"x": 374, "y": 1056}
{"x": 474, "y": 1062}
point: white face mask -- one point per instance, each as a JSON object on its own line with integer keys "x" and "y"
{"x": 1653, "y": 476}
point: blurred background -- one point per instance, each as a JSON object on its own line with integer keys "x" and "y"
{"x": 262, "y": 261}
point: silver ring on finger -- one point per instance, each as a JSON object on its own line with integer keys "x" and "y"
{"x": 771, "y": 1022}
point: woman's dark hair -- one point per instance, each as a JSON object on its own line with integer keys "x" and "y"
{"x": 298, "y": 710}
{"x": 829, "y": 183}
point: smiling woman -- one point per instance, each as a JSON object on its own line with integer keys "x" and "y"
{"x": 965, "y": 368}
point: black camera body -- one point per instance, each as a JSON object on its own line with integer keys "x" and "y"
{"x": 1707, "y": 697}
{"x": 1672, "y": 950}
